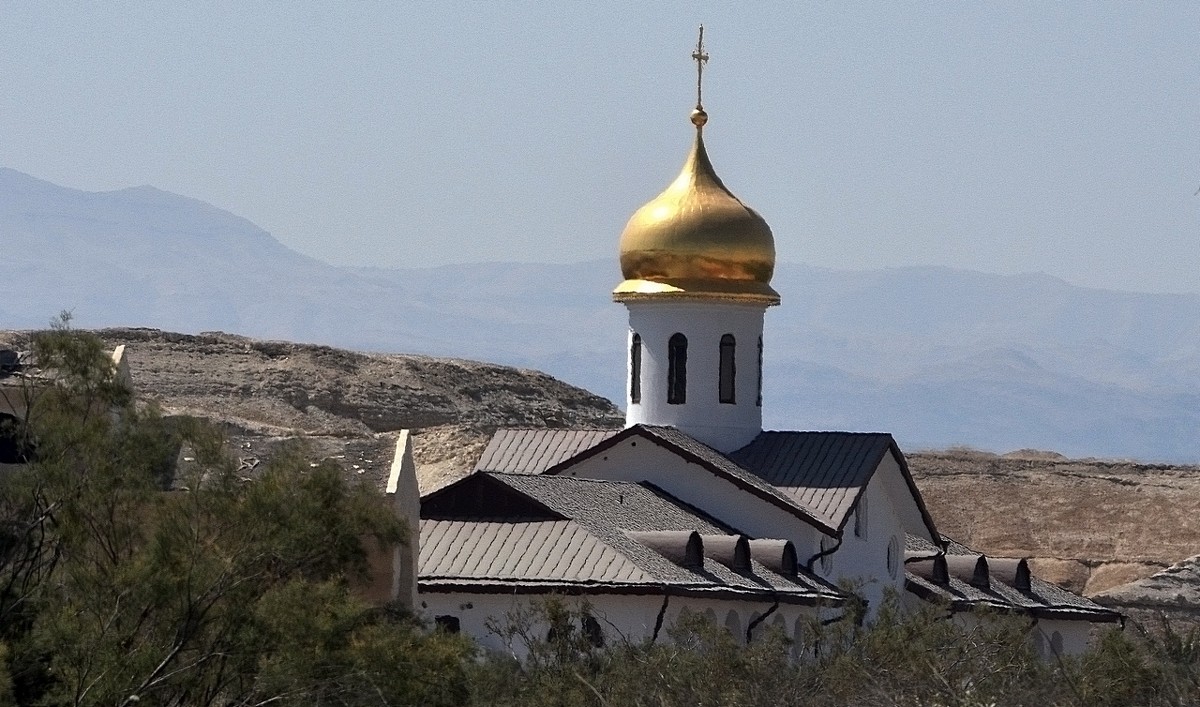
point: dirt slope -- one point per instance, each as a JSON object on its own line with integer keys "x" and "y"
{"x": 348, "y": 404}
{"x": 1090, "y": 524}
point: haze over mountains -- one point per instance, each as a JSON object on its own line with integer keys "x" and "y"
{"x": 938, "y": 357}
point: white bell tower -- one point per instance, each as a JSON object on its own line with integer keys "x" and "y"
{"x": 697, "y": 264}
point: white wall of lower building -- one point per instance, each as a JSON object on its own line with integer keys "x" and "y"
{"x": 621, "y": 617}
{"x": 862, "y": 557}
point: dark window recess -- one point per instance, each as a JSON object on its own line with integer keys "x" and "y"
{"x": 728, "y": 368}
{"x": 677, "y": 369}
{"x": 13, "y": 449}
{"x": 592, "y": 631}
{"x": 759, "y": 402}
{"x": 447, "y": 623}
{"x": 635, "y": 369}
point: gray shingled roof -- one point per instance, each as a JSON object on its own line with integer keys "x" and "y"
{"x": 709, "y": 458}
{"x": 1042, "y": 599}
{"x": 825, "y": 472}
{"x": 473, "y": 553}
{"x": 532, "y": 451}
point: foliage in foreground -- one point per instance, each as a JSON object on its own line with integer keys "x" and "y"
{"x": 902, "y": 658}
{"x": 122, "y": 584}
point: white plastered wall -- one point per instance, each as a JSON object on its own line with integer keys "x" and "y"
{"x": 723, "y": 426}
{"x": 863, "y": 561}
{"x": 621, "y": 616}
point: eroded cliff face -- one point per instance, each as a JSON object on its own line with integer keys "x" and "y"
{"x": 1089, "y": 525}
{"x": 347, "y": 405}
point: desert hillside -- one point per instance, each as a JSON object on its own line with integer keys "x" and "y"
{"x": 1090, "y": 524}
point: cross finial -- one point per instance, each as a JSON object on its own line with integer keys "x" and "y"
{"x": 701, "y": 58}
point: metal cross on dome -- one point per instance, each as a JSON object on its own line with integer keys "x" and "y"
{"x": 701, "y": 58}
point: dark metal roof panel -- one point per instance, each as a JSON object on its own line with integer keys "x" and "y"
{"x": 822, "y": 471}
{"x": 532, "y": 451}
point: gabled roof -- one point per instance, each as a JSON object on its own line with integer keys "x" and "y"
{"x": 527, "y": 551}
{"x": 825, "y": 472}
{"x": 593, "y": 548}
{"x": 1042, "y": 599}
{"x": 532, "y": 451}
{"x": 706, "y": 457}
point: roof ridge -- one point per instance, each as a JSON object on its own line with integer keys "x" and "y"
{"x": 514, "y": 474}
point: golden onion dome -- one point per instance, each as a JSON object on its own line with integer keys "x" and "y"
{"x": 696, "y": 240}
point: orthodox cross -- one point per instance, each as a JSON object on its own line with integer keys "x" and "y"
{"x": 701, "y": 58}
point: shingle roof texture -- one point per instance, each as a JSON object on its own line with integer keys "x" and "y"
{"x": 730, "y": 467}
{"x": 600, "y": 516}
{"x": 1042, "y": 597}
{"x": 823, "y": 472}
{"x": 532, "y": 451}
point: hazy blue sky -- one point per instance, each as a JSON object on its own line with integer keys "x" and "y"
{"x": 1003, "y": 137}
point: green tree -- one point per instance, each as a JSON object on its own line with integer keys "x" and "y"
{"x": 120, "y": 583}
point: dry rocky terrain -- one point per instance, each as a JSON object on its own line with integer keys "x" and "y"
{"x": 1091, "y": 525}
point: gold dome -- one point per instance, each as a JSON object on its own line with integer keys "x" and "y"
{"x": 696, "y": 240}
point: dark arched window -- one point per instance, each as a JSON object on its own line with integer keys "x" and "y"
{"x": 635, "y": 369}
{"x": 728, "y": 369}
{"x": 677, "y": 369}
{"x": 759, "y": 402}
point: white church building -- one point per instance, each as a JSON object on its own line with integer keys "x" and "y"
{"x": 693, "y": 505}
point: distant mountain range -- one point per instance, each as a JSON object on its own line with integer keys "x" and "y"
{"x": 939, "y": 357}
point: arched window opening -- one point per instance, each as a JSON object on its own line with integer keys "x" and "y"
{"x": 592, "y": 630}
{"x": 760, "y": 349}
{"x": 13, "y": 448}
{"x": 447, "y": 623}
{"x": 728, "y": 368}
{"x": 677, "y": 369}
{"x": 635, "y": 369}
{"x": 1056, "y": 643}
{"x": 733, "y": 624}
{"x": 828, "y": 545}
{"x": 893, "y": 557}
{"x": 860, "y": 519}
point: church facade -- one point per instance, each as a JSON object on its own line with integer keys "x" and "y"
{"x": 693, "y": 506}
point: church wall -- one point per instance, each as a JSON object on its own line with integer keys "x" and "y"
{"x": 903, "y": 502}
{"x": 1065, "y": 637}
{"x": 723, "y": 426}
{"x": 637, "y": 459}
{"x": 620, "y": 617}
{"x": 864, "y": 560}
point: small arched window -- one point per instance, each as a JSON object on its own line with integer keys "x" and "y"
{"x": 828, "y": 545}
{"x": 860, "y": 519}
{"x": 677, "y": 369}
{"x": 635, "y": 369}
{"x": 759, "y": 401}
{"x": 893, "y": 557}
{"x": 728, "y": 368}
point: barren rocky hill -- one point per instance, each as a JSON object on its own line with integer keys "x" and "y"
{"x": 347, "y": 405}
{"x": 1091, "y": 525}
